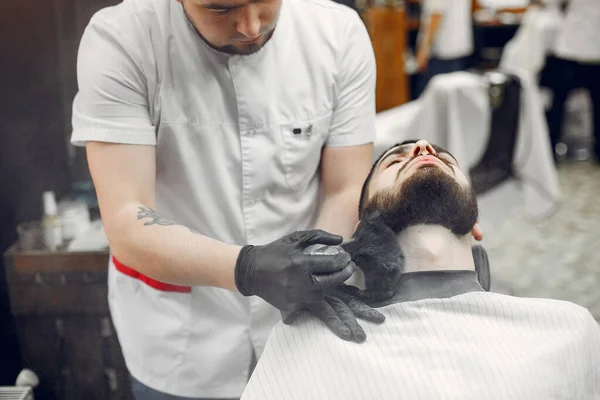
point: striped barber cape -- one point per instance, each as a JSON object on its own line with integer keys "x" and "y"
{"x": 470, "y": 345}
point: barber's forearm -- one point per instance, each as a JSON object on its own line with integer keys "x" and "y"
{"x": 168, "y": 252}
{"x": 430, "y": 31}
{"x": 339, "y": 214}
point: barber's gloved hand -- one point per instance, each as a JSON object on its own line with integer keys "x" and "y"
{"x": 284, "y": 276}
{"x": 374, "y": 249}
{"x": 338, "y": 309}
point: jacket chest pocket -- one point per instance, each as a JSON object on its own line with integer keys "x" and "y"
{"x": 302, "y": 145}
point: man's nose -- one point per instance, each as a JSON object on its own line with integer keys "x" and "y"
{"x": 422, "y": 148}
{"x": 248, "y": 23}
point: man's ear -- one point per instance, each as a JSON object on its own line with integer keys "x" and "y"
{"x": 476, "y": 232}
{"x": 356, "y": 226}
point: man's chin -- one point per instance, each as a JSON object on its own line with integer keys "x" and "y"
{"x": 245, "y": 49}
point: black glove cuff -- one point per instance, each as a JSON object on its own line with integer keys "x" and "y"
{"x": 244, "y": 267}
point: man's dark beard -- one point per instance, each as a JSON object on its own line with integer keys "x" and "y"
{"x": 431, "y": 197}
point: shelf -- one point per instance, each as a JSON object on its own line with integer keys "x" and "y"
{"x": 31, "y": 262}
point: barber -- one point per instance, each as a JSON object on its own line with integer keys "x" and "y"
{"x": 445, "y": 40}
{"x": 218, "y": 133}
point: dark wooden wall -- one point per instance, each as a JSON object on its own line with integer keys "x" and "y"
{"x": 38, "y": 50}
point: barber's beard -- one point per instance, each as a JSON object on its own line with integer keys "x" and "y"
{"x": 430, "y": 197}
{"x": 246, "y": 50}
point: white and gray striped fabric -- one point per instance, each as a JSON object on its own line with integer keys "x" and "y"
{"x": 472, "y": 346}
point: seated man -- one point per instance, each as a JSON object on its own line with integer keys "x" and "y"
{"x": 444, "y": 336}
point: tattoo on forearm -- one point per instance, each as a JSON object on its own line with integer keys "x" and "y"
{"x": 156, "y": 219}
{"x": 145, "y": 212}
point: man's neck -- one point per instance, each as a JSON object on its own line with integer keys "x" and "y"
{"x": 434, "y": 248}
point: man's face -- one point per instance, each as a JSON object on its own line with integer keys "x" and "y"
{"x": 234, "y": 26}
{"x": 418, "y": 183}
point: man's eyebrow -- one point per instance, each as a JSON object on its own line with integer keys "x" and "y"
{"x": 405, "y": 147}
{"x": 217, "y": 6}
{"x": 398, "y": 150}
{"x": 211, "y": 6}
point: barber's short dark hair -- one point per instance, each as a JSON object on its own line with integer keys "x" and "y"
{"x": 365, "y": 189}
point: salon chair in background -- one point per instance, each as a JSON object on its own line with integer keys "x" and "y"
{"x": 497, "y": 163}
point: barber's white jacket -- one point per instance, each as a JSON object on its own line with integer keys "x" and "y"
{"x": 454, "y": 38}
{"x": 238, "y": 149}
{"x": 578, "y": 35}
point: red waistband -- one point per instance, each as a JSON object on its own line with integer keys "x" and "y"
{"x": 165, "y": 287}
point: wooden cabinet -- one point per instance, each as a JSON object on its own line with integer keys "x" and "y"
{"x": 59, "y": 301}
{"x": 388, "y": 30}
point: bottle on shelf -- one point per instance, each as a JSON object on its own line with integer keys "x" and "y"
{"x": 51, "y": 225}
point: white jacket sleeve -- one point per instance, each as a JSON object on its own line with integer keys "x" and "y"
{"x": 112, "y": 102}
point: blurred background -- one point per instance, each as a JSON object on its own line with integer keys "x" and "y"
{"x": 508, "y": 86}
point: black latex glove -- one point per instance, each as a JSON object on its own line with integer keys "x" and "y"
{"x": 338, "y": 310}
{"x": 374, "y": 249}
{"x": 284, "y": 276}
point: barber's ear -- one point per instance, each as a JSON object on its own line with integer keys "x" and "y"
{"x": 476, "y": 232}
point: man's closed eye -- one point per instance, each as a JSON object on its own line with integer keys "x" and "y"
{"x": 395, "y": 160}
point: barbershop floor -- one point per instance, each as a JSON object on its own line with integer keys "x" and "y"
{"x": 560, "y": 257}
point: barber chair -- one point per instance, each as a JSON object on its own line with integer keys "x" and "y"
{"x": 482, "y": 266}
{"x": 23, "y": 389}
{"x": 496, "y": 164}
